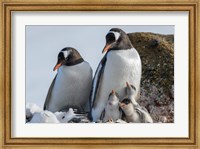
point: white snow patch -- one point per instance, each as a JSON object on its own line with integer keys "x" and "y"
{"x": 44, "y": 117}
{"x": 60, "y": 115}
{"x": 33, "y": 108}
{"x": 68, "y": 116}
{"x": 34, "y": 114}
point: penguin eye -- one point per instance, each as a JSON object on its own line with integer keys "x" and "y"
{"x": 117, "y": 94}
{"x": 110, "y": 38}
{"x": 109, "y": 94}
{"x": 126, "y": 101}
{"x": 60, "y": 55}
{"x": 133, "y": 87}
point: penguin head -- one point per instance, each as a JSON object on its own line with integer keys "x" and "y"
{"x": 126, "y": 106}
{"x": 117, "y": 39}
{"x": 113, "y": 99}
{"x": 130, "y": 89}
{"x": 68, "y": 56}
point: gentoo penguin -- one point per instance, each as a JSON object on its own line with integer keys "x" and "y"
{"x": 112, "y": 111}
{"x": 120, "y": 64}
{"x": 72, "y": 84}
{"x": 134, "y": 113}
{"x": 145, "y": 116}
{"x": 131, "y": 93}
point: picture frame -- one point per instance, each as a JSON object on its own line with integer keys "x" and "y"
{"x": 7, "y": 7}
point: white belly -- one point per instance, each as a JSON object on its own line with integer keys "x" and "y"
{"x": 72, "y": 87}
{"x": 121, "y": 66}
{"x": 113, "y": 114}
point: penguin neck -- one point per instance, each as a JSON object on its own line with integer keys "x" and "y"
{"x": 132, "y": 97}
{"x": 130, "y": 111}
{"x": 114, "y": 107}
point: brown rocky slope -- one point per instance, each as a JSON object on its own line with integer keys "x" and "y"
{"x": 157, "y": 84}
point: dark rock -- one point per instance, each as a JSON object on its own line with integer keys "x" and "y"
{"x": 154, "y": 43}
{"x": 75, "y": 120}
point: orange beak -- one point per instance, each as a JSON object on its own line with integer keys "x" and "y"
{"x": 127, "y": 84}
{"x": 106, "y": 48}
{"x": 58, "y": 65}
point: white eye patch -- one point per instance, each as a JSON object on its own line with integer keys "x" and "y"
{"x": 66, "y": 53}
{"x": 116, "y": 34}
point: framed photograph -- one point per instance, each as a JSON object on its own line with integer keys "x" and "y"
{"x": 101, "y": 73}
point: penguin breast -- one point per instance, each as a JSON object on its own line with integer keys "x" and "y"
{"x": 122, "y": 66}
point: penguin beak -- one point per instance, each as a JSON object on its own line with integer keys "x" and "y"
{"x": 127, "y": 84}
{"x": 106, "y": 48}
{"x": 58, "y": 65}
{"x": 121, "y": 105}
{"x": 113, "y": 92}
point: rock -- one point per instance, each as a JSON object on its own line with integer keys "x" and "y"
{"x": 157, "y": 83}
{"x": 29, "y": 115}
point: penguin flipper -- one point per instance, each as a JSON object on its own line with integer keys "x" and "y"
{"x": 145, "y": 115}
{"x": 143, "y": 108}
{"x": 120, "y": 113}
{"x": 103, "y": 114}
{"x": 123, "y": 117}
{"x": 96, "y": 81}
{"x": 140, "y": 114}
{"x": 49, "y": 94}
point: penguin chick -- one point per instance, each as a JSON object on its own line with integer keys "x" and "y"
{"x": 131, "y": 115}
{"x": 112, "y": 111}
{"x": 131, "y": 93}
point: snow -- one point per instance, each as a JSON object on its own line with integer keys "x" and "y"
{"x": 33, "y": 108}
{"x": 35, "y": 114}
{"x": 60, "y": 115}
{"x": 44, "y": 117}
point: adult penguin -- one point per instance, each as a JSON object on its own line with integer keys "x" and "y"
{"x": 120, "y": 64}
{"x": 72, "y": 84}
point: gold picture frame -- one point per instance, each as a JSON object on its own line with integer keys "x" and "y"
{"x": 193, "y": 7}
